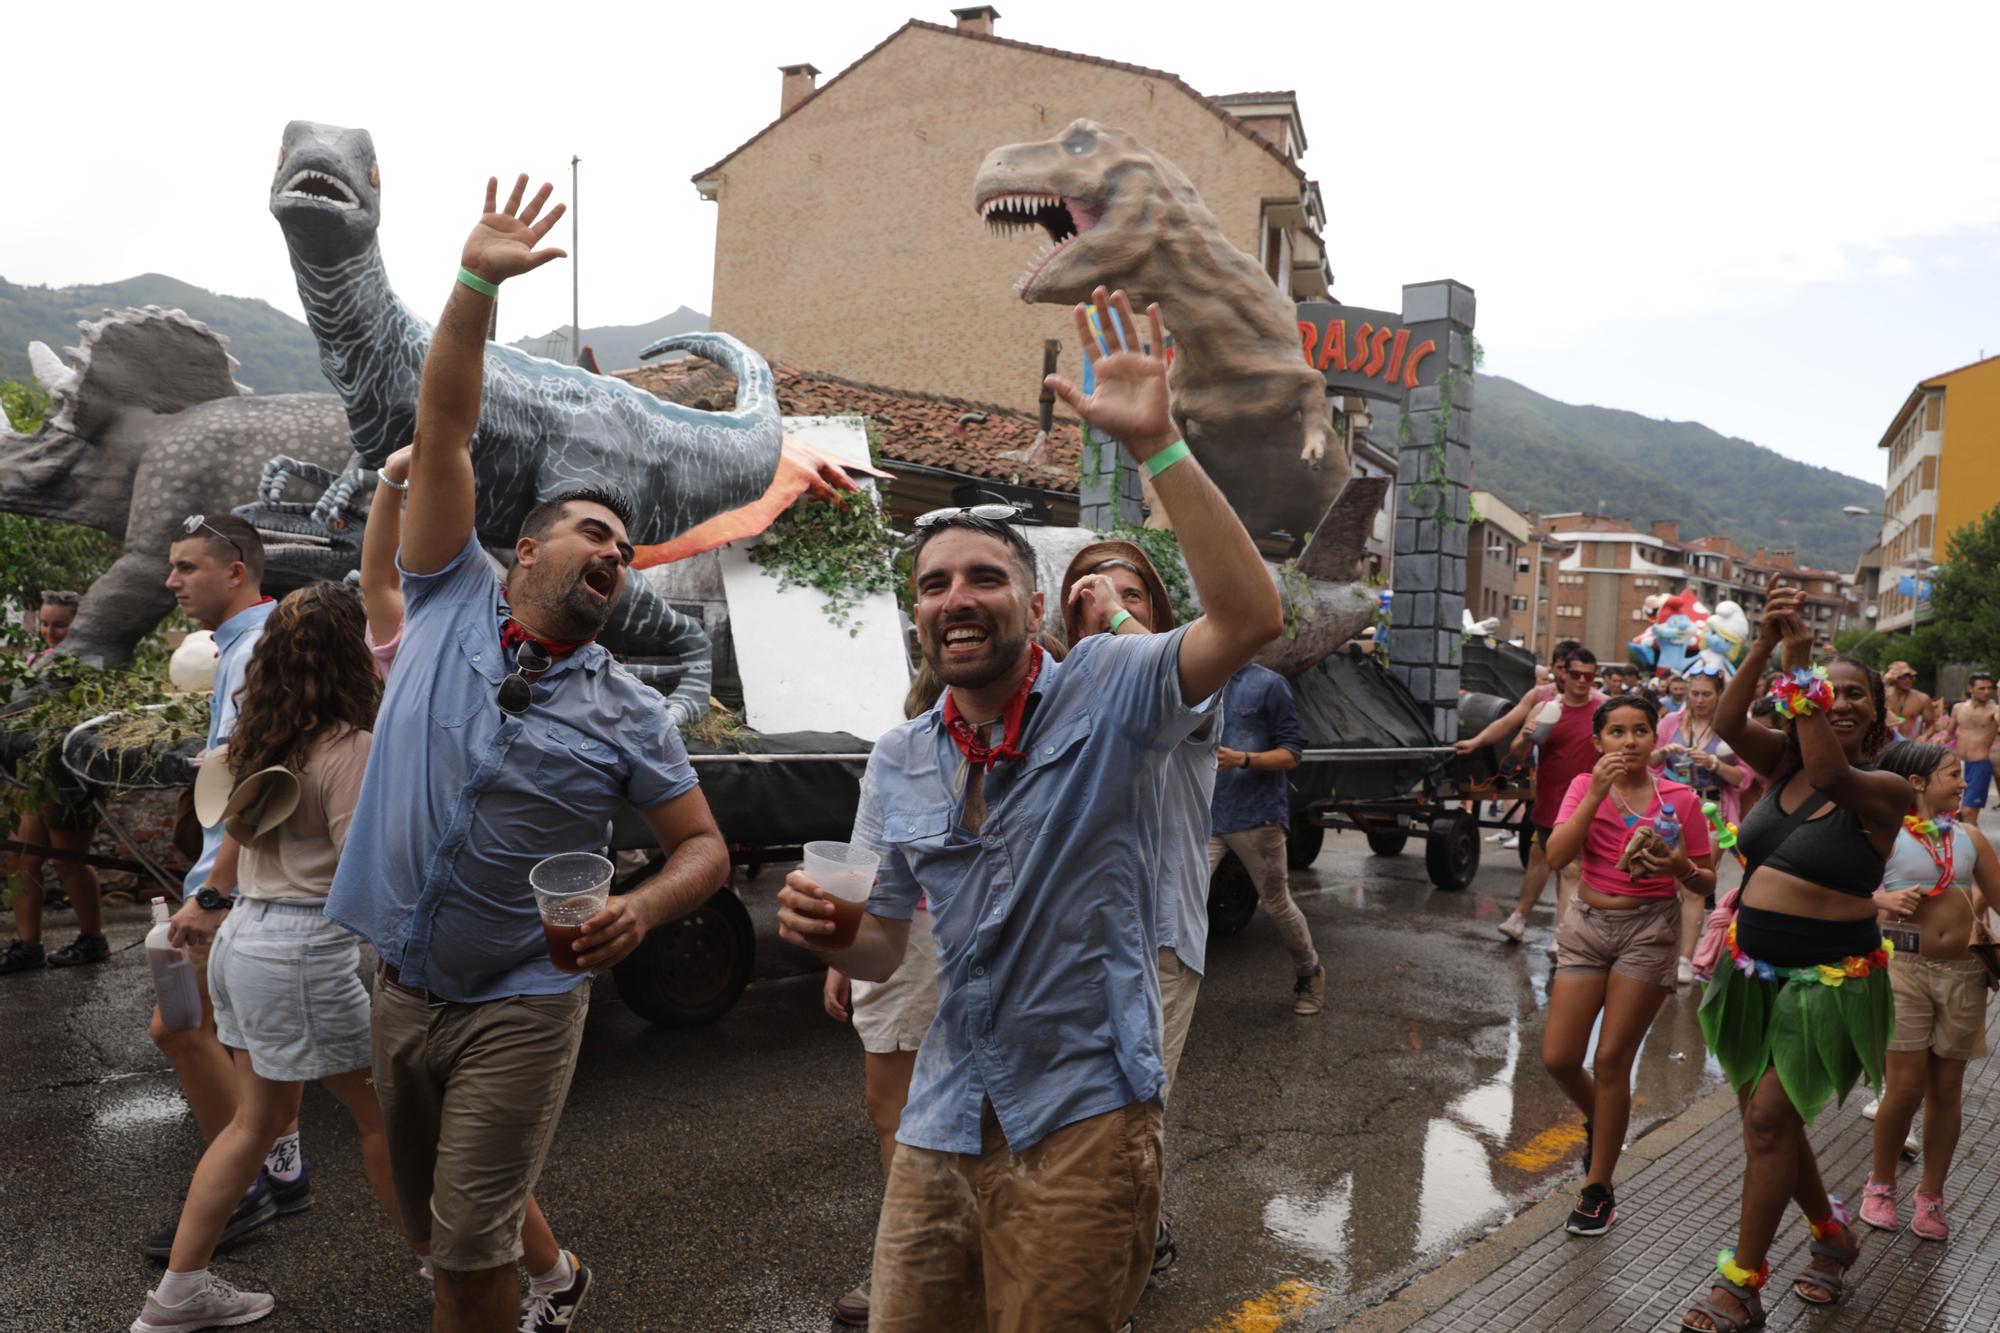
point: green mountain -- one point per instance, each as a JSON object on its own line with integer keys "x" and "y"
{"x": 277, "y": 352}
{"x": 616, "y": 346}
{"x": 1537, "y": 453}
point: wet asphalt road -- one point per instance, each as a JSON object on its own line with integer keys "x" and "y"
{"x": 727, "y": 1179}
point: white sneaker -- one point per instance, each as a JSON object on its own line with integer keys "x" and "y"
{"x": 1514, "y": 927}
{"x": 218, "y": 1305}
{"x": 1512, "y": 844}
{"x": 1869, "y": 1111}
{"x": 1495, "y": 837}
{"x": 1684, "y": 973}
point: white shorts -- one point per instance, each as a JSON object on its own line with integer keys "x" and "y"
{"x": 893, "y": 1015}
{"x": 287, "y": 989}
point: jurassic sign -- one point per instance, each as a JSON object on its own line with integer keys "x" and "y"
{"x": 1367, "y": 352}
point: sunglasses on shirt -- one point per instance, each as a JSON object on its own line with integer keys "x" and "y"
{"x": 530, "y": 661}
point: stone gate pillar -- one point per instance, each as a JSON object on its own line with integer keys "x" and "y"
{"x": 1433, "y": 498}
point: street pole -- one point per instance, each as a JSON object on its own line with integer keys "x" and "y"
{"x": 575, "y": 322}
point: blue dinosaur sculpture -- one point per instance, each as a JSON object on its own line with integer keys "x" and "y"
{"x": 544, "y": 428}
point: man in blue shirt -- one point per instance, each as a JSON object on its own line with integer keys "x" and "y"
{"x": 215, "y": 572}
{"x": 1261, "y": 743}
{"x": 1027, "y": 807}
{"x": 506, "y": 735}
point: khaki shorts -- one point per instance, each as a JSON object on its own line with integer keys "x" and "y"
{"x": 894, "y": 1015}
{"x": 1643, "y": 943}
{"x": 1940, "y": 1005}
{"x": 1179, "y": 984}
{"x": 1058, "y": 1238}
{"x": 470, "y": 1097}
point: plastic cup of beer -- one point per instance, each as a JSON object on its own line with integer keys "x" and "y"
{"x": 569, "y": 889}
{"x": 847, "y": 874}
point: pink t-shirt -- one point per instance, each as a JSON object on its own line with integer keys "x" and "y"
{"x": 383, "y": 653}
{"x": 1604, "y": 842}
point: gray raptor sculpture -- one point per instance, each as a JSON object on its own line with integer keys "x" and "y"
{"x": 146, "y": 425}
{"x": 544, "y": 428}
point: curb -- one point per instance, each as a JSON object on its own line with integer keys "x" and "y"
{"x": 1425, "y": 1295}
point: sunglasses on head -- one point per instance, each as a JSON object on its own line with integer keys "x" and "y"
{"x": 194, "y": 523}
{"x": 989, "y": 513}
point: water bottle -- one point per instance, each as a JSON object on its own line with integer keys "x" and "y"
{"x": 173, "y": 975}
{"x": 1668, "y": 824}
{"x": 1544, "y": 719}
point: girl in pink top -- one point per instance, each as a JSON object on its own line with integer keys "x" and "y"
{"x": 1616, "y": 949}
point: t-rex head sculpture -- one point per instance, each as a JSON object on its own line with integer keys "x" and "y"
{"x": 1245, "y": 400}
{"x": 326, "y": 193}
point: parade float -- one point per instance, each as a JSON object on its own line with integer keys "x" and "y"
{"x": 149, "y": 425}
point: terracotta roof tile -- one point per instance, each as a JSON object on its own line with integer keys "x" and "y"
{"x": 928, "y": 430}
{"x": 1222, "y": 113}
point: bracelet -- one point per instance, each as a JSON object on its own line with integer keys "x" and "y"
{"x": 1248, "y": 755}
{"x": 1801, "y": 692}
{"x": 1167, "y": 457}
{"x": 1118, "y": 617}
{"x": 383, "y": 477}
{"x": 477, "y": 283}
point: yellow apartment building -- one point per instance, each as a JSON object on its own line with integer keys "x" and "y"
{"x": 1944, "y": 473}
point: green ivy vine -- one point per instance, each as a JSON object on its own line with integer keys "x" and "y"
{"x": 1296, "y": 595}
{"x": 844, "y": 549}
{"x": 1435, "y": 481}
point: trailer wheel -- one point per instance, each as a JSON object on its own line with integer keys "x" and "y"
{"x": 1451, "y": 850}
{"x": 1303, "y": 841}
{"x": 1388, "y": 844}
{"x": 688, "y": 973}
{"x": 1232, "y": 897}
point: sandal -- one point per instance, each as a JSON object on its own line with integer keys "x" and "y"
{"x": 1721, "y": 1320}
{"x": 1845, "y": 1255}
{"x": 1746, "y": 1285}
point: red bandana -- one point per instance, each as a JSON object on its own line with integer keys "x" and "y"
{"x": 969, "y": 744}
{"x": 513, "y": 634}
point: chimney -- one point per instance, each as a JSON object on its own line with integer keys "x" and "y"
{"x": 977, "y": 19}
{"x": 1667, "y": 530}
{"x": 800, "y": 80}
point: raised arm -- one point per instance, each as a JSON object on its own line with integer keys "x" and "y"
{"x": 1241, "y": 612}
{"x": 1508, "y": 724}
{"x": 1759, "y": 746}
{"x": 441, "y": 496}
{"x": 1879, "y": 798}
{"x": 381, "y": 585}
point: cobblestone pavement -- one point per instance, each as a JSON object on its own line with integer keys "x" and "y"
{"x": 1677, "y": 1209}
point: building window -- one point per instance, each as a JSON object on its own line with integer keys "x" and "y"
{"x": 1523, "y": 566}
{"x": 1518, "y": 603}
{"x": 1638, "y": 613}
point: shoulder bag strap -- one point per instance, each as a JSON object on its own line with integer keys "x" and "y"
{"x": 1807, "y": 808}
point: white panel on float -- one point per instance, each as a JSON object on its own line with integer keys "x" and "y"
{"x": 800, "y": 671}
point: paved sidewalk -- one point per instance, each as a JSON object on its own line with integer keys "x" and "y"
{"x": 1677, "y": 1204}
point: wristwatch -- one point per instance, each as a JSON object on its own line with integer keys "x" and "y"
{"x": 208, "y": 900}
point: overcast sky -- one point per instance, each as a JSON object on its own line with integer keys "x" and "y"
{"x": 1770, "y": 218}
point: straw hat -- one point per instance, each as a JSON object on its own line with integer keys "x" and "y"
{"x": 1097, "y": 553}
{"x": 249, "y": 809}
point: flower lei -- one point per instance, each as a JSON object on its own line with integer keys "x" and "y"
{"x": 1805, "y": 690}
{"x": 1826, "y": 974}
{"x": 1935, "y": 834}
{"x": 1834, "y": 1221}
{"x": 1736, "y": 1274}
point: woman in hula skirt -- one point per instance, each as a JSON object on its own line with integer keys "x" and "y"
{"x": 1643, "y": 841}
{"x": 1941, "y": 877}
{"x": 1800, "y": 1008}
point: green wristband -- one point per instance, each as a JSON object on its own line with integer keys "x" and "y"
{"x": 477, "y": 283}
{"x": 1118, "y": 617}
{"x": 1167, "y": 457}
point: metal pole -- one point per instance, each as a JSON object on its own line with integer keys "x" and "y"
{"x": 575, "y": 326}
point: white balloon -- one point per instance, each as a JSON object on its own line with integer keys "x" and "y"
{"x": 192, "y": 666}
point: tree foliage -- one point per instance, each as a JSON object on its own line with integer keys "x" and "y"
{"x": 39, "y": 553}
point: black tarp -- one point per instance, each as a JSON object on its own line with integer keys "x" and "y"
{"x": 776, "y": 804}
{"x": 1351, "y": 702}
{"x": 1496, "y": 668}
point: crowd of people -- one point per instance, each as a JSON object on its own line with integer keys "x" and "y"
{"x": 388, "y": 764}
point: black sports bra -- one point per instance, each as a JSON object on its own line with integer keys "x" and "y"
{"x": 1832, "y": 851}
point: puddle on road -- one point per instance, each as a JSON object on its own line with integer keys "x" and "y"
{"x": 136, "y": 1108}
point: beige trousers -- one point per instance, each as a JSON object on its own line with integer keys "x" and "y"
{"x": 1262, "y": 852}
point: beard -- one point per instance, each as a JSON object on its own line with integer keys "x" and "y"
{"x": 1001, "y": 652}
{"x": 561, "y": 604}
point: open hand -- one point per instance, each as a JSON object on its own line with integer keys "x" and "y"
{"x": 502, "y": 244}
{"x": 838, "y": 995}
{"x": 1902, "y": 904}
{"x": 1129, "y": 402}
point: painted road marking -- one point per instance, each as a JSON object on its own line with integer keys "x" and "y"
{"x": 1546, "y": 1148}
{"x": 1269, "y": 1312}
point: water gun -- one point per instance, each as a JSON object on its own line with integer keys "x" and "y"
{"x": 1725, "y": 834}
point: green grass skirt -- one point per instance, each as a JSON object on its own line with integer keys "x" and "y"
{"x": 1819, "y": 1038}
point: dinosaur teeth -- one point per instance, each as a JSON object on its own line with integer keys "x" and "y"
{"x": 321, "y": 188}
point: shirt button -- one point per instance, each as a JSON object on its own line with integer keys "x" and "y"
{"x": 982, "y": 1043}
{"x": 475, "y": 657}
{"x": 978, "y": 971}
{"x": 1048, "y": 749}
